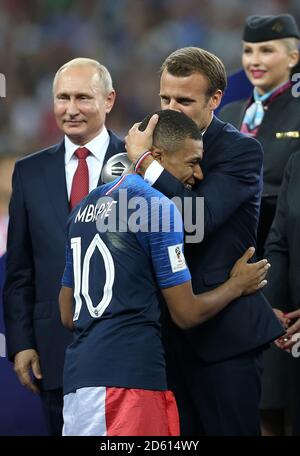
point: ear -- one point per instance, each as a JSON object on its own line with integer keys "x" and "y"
{"x": 110, "y": 101}
{"x": 157, "y": 154}
{"x": 293, "y": 58}
{"x": 215, "y": 100}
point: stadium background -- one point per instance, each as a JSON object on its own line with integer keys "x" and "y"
{"x": 131, "y": 38}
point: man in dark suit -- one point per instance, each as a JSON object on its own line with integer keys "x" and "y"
{"x": 46, "y": 185}
{"x": 215, "y": 368}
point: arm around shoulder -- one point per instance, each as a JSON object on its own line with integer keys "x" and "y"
{"x": 187, "y": 309}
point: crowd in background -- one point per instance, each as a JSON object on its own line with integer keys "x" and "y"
{"x": 131, "y": 37}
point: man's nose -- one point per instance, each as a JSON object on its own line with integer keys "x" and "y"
{"x": 174, "y": 105}
{"x": 72, "y": 108}
{"x": 198, "y": 174}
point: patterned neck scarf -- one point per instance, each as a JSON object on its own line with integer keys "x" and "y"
{"x": 256, "y": 110}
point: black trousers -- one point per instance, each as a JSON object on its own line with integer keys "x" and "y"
{"x": 216, "y": 399}
{"x": 52, "y": 403}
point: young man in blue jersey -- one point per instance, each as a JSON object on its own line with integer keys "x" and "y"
{"x": 214, "y": 369}
{"x": 124, "y": 245}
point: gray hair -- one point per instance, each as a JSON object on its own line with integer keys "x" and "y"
{"x": 104, "y": 75}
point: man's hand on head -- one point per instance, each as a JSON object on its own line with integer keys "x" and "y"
{"x": 137, "y": 142}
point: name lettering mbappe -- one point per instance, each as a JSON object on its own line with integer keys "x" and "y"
{"x": 92, "y": 211}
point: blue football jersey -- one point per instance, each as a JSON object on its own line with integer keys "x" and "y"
{"x": 125, "y": 242}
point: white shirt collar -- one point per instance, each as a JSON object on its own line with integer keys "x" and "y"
{"x": 96, "y": 146}
{"x": 205, "y": 129}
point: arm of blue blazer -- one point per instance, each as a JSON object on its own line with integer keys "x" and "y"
{"x": 233, "y": 176}
{"x": 18, "y": 292}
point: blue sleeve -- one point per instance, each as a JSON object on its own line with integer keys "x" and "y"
{"x": 164, "y": 245}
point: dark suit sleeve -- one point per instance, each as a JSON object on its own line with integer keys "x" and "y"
{"x": 277, "y": 250}
{"x": 18, "y": 293}
{"x": 233, "y": 179}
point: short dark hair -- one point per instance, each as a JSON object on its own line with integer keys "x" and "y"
{"x": 189, "y": 60}
{"x": 172, "y": 128}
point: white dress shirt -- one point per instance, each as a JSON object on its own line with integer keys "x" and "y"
{"x": 153, "y": 172}
{"x": 97, "y": 147}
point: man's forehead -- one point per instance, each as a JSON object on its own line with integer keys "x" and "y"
{"x": 190, "y": 83}
{"x": 80, "y": 77}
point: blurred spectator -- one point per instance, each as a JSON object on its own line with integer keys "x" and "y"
{"x": 7, "y": 162}
{"x": 132, "y": 37}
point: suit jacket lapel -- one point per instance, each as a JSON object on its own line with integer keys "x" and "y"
{"x": 55, "y": 176}
{"x": 213, "y": 130}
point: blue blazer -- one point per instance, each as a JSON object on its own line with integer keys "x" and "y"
{"x": 232, "y": 186}
{"x": 39, "y": 210}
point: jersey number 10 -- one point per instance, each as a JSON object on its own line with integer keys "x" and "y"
{"x": 81, "y": 278}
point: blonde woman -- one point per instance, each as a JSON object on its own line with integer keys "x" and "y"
{"x": 270, "y": 56}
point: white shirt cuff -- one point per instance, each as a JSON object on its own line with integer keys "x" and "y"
{"x": 153, "y": 172}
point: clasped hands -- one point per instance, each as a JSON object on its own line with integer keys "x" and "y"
{"x": 292, "y": 334}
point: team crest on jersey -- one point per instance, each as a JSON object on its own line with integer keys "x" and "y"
{"x": 176, "y": 257}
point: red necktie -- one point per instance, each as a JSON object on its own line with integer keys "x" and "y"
{"x": 80, "y": 183}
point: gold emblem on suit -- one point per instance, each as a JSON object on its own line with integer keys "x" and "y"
{"x": 288, "y": 134}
